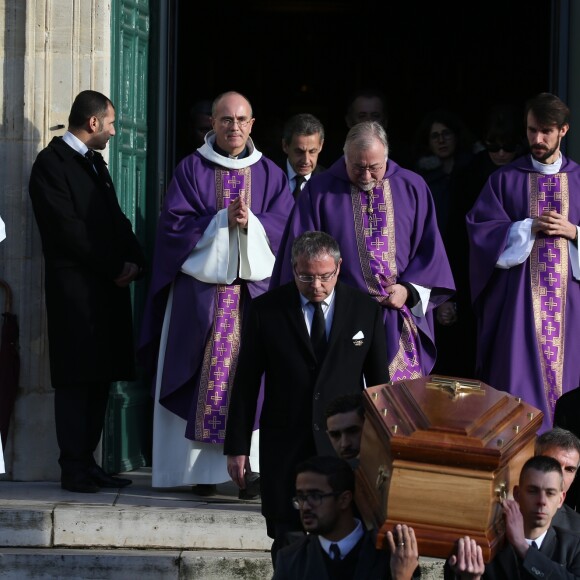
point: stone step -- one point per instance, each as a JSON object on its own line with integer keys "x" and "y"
{"x": 90, "y": 564}
{"x": 135, "y": 532}
{"x": 89, "y": 526}
{"x": 77, "y": 564}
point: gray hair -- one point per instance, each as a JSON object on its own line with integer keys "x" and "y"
{"x": 314, "y": 245}
{"x": 557, "y": 437}
{"x": 302, "y": 124}
{"x": 364, "y": 134}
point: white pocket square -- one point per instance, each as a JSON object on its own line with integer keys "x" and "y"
{"x": 358, "y": 335}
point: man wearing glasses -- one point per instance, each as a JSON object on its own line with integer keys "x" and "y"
{"x": 217, "y": 237}
{"x": 313, "y": 339}
{"x": 337, "y": 544}
{"x": 383, "y": 219}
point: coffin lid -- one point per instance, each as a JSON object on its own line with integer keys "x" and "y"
{"x": 449, "y": 420}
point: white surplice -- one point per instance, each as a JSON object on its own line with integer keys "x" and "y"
{"x": 178, "y": 461}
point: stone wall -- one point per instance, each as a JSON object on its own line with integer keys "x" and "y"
{"x": 50, "y": 50}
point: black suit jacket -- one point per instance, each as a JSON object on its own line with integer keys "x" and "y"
{"x": 275, "y": 341}
{"x": 557, "y": 559}
{"x": 567, "y": 519}
{"x": 304, "y": 560}
{"x": 86, "y": 239}
{"x": 567, "y": 416}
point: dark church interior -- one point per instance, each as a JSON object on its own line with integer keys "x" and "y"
{"x": 310, "y": 55}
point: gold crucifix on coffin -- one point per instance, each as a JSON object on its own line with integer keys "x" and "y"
{"x": 454, "y": 387}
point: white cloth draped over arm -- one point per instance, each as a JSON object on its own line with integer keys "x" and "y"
{"x": 424, "y": 294}
{"x": 520, "y": 243}
{"x": 223, "y": 252}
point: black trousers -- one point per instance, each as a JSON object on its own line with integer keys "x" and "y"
{"x": 284, "y": 533}
{"x": 79, "y": 416}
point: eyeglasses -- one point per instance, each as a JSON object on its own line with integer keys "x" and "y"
{"x": 361, "y": 169}
{"x": 314, "y": 499}
{"x": 445, "y": 135}
{"x": 230, "y": 121}
{"x": 495, "y": 147}
{"x": 321, "y": 277}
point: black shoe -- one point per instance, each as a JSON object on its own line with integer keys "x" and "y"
{"x": 251, "y": 491}
{"x": 84, "y": 485}
{"x": 102, "y": 479}
{"x": 204, "y": 489}
{"x": 245, "y": 494}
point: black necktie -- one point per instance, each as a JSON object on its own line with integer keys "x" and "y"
{"x": 334, "y": 552}
{"x": 534, "y": 545}
{"x": 318, "y": 331}
{"x": 300, "y": 179}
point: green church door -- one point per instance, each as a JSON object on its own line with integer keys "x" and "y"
{"x": 127, "y": 433}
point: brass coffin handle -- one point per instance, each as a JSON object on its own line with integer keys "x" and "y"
{"x": 501, "y": 491}
{"x": 382, "y": 476}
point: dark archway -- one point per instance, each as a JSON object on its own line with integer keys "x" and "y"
{"x": 308, "y": 56}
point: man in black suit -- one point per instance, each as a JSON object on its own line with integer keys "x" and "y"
{"x": 567, "y": 416}
{"x": 337, "y": 545}
{"x": 564, "y": 447}
{"x": 313, "y": 339}
{"x": 302, "y": 141}
{"x": 91, "y": 256}
{"x": 535, "y": 548}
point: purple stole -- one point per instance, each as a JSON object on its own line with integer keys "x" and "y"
{"x": 549, "y": 281}
{"x": 223, "y": 346}
{"x": 375, "y": 234}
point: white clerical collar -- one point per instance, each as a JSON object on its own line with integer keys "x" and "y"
{"x": 207, "y": 151}
{"x": 74, "y": 142}
{"x": 550, "y": 169}
{"x": 347, "y": 543}
{"x": 538, "y": 540}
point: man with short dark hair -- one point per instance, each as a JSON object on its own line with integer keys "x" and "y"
{"x": 564, "y": 447}
{"x": 91, "y": 256}
{"x": 567, "y": 416}
{"x": 312, "y": 339}
{"x": 302, "y": 141}
{"x": 535, "y": 548}
{"x": 337, "y": 545}
{"x": 345, "y": 417}
{"x": 525, "y": 266}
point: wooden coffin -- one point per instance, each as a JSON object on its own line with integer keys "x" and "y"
{"x": 437, "y": 453}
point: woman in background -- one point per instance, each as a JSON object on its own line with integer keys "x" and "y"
{"x": 455, "y": 332}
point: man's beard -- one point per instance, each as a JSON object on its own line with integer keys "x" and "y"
{"x": 368, "y": 186}
{"x": 543, "y": 153}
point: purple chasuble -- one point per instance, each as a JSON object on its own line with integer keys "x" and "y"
{"x": 525, "y": 314}
{"x": 377, "y": 247}
{"x": 415, "y": 251}
{"x": 198, "y": 190}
